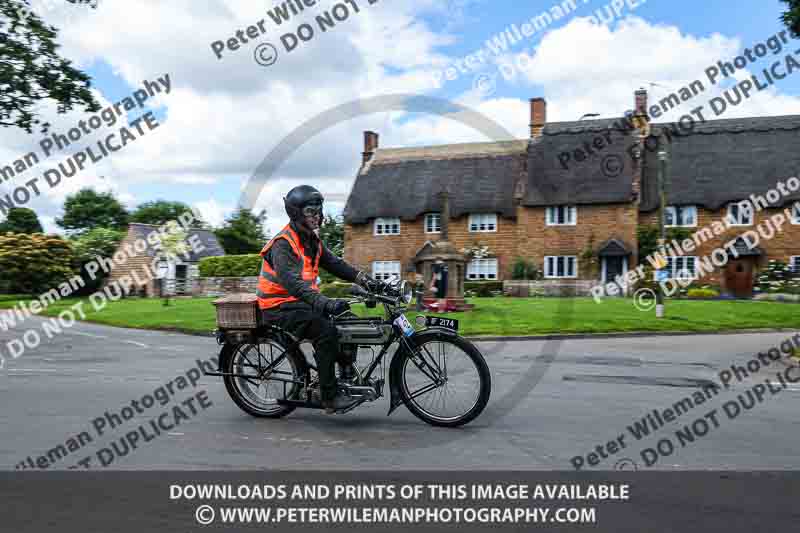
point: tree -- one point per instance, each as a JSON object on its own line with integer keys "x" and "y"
{"x": 160, "y": 212}
{"x": 97, "y": 242}
{"x": 87, "y": 209}
{"x": 792, "y": 17}
{"x": 243, "y": 233}
{"x": 21, "y": 220}
{"x": 332, "y": 234}
{"x": 31, "y": 70}
{"x": 647, "y": 237}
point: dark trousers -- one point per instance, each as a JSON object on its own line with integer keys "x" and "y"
{"x": 300, "y": 320}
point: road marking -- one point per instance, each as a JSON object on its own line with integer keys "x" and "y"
{"x": 137, "y": 344}
{"x": 92, "y": 335}
{"x": 175, "y": 434}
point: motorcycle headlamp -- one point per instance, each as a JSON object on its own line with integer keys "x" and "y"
{"x": 406, "y": 293}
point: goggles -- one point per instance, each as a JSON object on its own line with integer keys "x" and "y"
{"x": 312, "y": 210}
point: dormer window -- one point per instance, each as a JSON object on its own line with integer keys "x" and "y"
{"x": 483, "y": 222}
{"x": 680, "y": 216}
{"x": 740, "y": 214}
{"x": 387, "y": 226}
{"x": 562, "y": 215}
{"x": 433, "y": 223}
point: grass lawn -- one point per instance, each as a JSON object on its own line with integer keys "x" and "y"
{"x": 491, "y": 316}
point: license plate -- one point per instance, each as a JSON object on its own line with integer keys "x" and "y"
{"x": 441, "y": 322}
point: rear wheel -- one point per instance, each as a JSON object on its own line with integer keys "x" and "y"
{"x": 446, "y": 382}
{"x": 263, "y": 373}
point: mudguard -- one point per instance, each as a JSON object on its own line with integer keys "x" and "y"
{"x": 396, "y": 366}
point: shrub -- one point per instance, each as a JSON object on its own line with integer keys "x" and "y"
{"x": 34, "y": 263}
{"x": 647, "y": 281}
{"x": 523, "y": 269}
{"x": 778, "y": 278}
{"x": 702, "y": 293}
{"x": 483, "y": 289}
{"x": 230, "y": 266}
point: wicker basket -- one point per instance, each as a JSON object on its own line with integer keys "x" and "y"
{"x": 237, "y": 311}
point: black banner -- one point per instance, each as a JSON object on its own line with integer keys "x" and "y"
{"x": 616, "y": 502}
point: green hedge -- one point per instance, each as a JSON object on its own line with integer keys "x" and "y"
{"x": 483, "y": 289}
{"x": 335, "y": 290}
{"x": 702, "y": 293}
{"x": 230, "y": 266}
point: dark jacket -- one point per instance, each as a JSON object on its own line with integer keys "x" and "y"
{"x": 288, "y": 267}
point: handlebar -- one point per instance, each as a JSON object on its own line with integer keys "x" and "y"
{"x": 358, "y": 291}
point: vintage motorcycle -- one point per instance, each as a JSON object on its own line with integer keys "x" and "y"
{"x": 438, "y": 375}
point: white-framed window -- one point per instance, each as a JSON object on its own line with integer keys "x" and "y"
{"x": 433, "y": 223}
{"x": 561, "y": 266}
{"x": 385, "y": 270}
{"x": 562, "y": 215}
{"x": 794, "y": 263}
{"x": 680, "y": 216}
{"x": 478, "y": 269}
{"x": 681, "y": 267}
{"x": 387, "y": 226}
{"x": 483, "y": 222}
{"x": 740, "y": 214}
{"x": 796, "y": 213}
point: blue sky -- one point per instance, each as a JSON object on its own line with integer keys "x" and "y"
{"x": 223, "y": 116}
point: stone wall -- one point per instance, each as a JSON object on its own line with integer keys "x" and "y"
{"x": 549, "y": 287}
{"x": 210, "y": 287}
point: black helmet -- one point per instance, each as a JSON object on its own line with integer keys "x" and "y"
{"x": 300, "y": 197}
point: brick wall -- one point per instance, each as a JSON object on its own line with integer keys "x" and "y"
{"x": 531, "y": 238}
{"x": 535, "y": 239}
{"x": 527, "y": 237}
{"x": 781, "y": 247}
{"x": 362, "y": 247}
{"x": 209, "y": 287}
{"x": 136, "y": 268}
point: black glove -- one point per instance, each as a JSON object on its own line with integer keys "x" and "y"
{"x": 336, "y": 307}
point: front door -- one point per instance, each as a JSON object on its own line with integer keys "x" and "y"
{"x": 739, "y": 277}
{"x": 613, "y": 267}
{"x": 181, "y": 272}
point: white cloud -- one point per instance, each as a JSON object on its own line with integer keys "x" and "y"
{"x": 591, "y": 68}
{"x": 222, "y": 117}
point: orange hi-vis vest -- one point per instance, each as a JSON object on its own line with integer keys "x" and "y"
{"x": 270, "y": 292}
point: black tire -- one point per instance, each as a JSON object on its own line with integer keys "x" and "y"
{"x": 231, "y": 357}
{"x": 474, "y": 356}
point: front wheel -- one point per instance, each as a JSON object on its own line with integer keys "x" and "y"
{"x": 446, "y": 381}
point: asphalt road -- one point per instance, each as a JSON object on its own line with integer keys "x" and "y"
{"x": 551, "y": 401}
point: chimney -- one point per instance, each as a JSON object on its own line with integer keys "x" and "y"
{"x": 641, "y": 102}
{"x": 370, "y": 145}
{"x": 444, "y": 196}
{"x": 538, "y": 116}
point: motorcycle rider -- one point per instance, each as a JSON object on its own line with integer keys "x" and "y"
{"x": 289, "y": 297}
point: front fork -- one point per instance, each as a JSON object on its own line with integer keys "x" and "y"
{"x": 430, "y": 368}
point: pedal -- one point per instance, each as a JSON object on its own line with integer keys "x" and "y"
{"x": 350, "y": 408}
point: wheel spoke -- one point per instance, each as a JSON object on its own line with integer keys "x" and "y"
{"x": 445, "y": 381}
